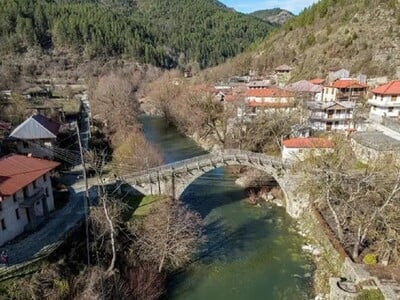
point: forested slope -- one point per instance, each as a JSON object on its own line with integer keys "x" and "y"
{"x": 163, "y": 33}
{"x": 360, "y": 35}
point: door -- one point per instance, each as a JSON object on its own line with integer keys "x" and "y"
{"x": 28, "y": 215}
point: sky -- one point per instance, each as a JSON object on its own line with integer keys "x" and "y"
{"x": 246, "y": 6}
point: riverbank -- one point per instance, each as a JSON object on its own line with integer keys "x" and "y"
{"x": 251, "y": 252}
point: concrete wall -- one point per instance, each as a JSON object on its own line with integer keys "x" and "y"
{"x": 14, "y": 227}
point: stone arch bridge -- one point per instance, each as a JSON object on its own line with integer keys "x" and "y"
{"x": 172, "y": 179}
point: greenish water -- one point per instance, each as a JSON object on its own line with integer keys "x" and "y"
{"x": 250, "y": 253}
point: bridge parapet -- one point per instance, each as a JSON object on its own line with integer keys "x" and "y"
{"x": 205, "y": 160}
{"x": 173, "y": 178}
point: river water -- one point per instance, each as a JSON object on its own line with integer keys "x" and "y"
{"x": 250, "y": 253}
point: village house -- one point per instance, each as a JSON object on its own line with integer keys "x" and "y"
{"x": 337, "y": 73}
{"x": 259, "y": 101}
{"x": 385, "y": 101}
{"x": 283, "y": 69}
{"x": 36, "y": 135}
{"x": 36, "y": 92}
{"x": 298, "y": 149}
{"x": 318, "y": 81}
{"x": 331, "y": 116}
{"x": 344, "y": 90}
{"x": 26, "y": 196}
{"x": 259, "y": 84}
{"x": 306, "y": 90}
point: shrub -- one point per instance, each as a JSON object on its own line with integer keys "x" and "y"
{"x": 370, "y": 259}
{"x": 370, "y": 295}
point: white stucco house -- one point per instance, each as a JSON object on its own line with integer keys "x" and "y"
{"x": 331, "y": 116}
{"x": 299, "y": 148}
{"x": 385, "y": 101}
{"x": 26, "y": 195}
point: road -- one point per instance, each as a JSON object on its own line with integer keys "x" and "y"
{"x": 60, "y": 222}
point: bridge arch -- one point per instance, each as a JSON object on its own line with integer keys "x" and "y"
{"x": 173, "y": 179}
{"x": 196, "y": 174}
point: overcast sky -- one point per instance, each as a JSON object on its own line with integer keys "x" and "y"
{"x": 246, "y": 6}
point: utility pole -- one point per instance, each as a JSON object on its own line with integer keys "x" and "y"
{"x": 86, "y": 198}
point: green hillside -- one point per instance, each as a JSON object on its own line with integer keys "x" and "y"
{"x": 163, "y": 33}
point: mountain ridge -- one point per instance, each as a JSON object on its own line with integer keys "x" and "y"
{"x": 165, "y": 34}
{"x": 277, "y": 16}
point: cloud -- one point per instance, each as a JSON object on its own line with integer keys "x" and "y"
{"x": 247, "y": 6}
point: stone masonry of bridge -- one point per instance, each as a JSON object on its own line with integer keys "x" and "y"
{"x": 172, "y": 179}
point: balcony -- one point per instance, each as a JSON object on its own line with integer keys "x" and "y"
{"x": 384, "y": 103}
{"x": 334, "y": 117}
{"x": 29, "y": 201}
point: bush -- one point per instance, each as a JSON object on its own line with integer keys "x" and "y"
{"x": 370, "y": 259}
{"x": 370, "y": 295}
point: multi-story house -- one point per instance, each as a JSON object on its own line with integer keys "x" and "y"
{"x": 26, "y": 195}
{"x": 344, "y": 90}
{"x": 385, "y": 101}
{"x": 331, "y": 116}
{"x": 259, "y": 101}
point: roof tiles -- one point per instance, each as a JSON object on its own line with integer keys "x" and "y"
{"x": 17, "y": 171}
{"x": 390, "y": 88}
{"x": 308, "y": 143}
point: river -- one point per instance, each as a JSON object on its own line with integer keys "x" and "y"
{"x": 250, "y": 253}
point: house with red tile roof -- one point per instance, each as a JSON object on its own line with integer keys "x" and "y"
{"x": 36, "y": 136}
{"x": 385, "y": 101}
{"x": 318, "y": 81}
{"x": 299, "y": 148}
{"x": 344, "y": 90}
{"x": 258, "y": 101}
{"x": 26, "y": 195}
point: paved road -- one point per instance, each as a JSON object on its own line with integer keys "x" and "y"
{"x": 60, "y": 222}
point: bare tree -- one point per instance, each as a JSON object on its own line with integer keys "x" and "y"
{"x": 361, "y": 204}
{"x": 169, "y": 235}
{"x": 268, "y": 130}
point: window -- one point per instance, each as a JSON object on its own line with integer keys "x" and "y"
{"x": 34, "y": 184}
{"x": 3, "y": 224}
{"x": 25, "y": 190}
{"x": 44, "y": 178}
{"x": 1, "y": 206}
{"x": 390, "y": 109}
{"x": 15, "y": 197}
{"x": 47, "y": 192}
{"x": 394, "y": 98}
{"x": 17, "y": 213}
{"x": 25, "y": 145}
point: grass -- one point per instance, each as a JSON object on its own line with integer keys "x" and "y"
{"x": 139, "y": 206}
